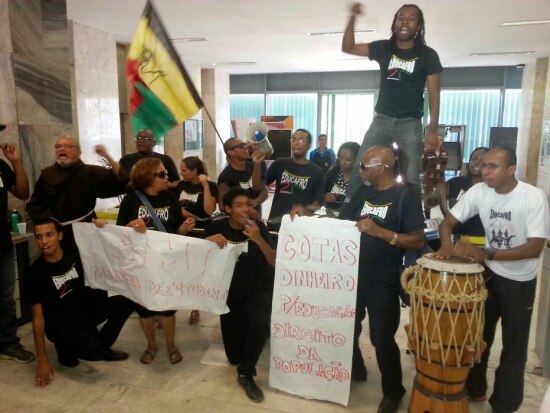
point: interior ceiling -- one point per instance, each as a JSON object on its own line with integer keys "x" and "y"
{"x": 273, "y": 34}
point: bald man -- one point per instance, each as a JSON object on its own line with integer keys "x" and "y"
{"x": 389, "y": 217}
{"x": 67, "y": 190}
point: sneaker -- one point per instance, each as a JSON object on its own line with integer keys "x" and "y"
{"x": 388, "y": 405}
{"x": 17, "y": 353}
{"x": 251, "y": 389}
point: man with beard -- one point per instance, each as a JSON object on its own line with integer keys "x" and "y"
{"x": 243, "y": 173}
{"x": 68, "y": 189}
{"x": 389, "y": 217}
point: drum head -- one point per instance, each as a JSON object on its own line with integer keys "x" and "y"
{"x": 458, "y": 265}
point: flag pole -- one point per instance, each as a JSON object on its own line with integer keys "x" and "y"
{"x": 213, "y": 124}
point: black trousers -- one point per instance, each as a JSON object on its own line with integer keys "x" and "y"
{"x": 245, "y": 329}
{"x": 76, "y": 336}
{"x": 512, "y": 303}
{"x": 380, "y": 297}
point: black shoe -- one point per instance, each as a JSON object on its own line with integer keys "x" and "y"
{"x": 388, "y": 405}
{"x": 68, "y": 362}
{"x": 359, "y": 372}
{"x": 251, "y": 389}
{"x": 109, "y": 354}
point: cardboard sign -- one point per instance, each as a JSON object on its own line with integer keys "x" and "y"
{"x": 314, "y": 308}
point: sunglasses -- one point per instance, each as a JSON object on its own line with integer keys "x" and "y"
{"x": 364, "y": 166}
{"x": 161, "y": 174}
{"x": 144, "y": 138}
{"x": 239, "y": 146}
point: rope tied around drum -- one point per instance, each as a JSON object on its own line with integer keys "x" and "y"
{"x": 411, "y": 286}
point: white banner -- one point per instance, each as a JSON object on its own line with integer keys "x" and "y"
{"x": 157, "y": 270}
{"x": 314, "y": 308}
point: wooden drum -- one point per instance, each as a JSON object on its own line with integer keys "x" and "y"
{"x": 445, "y": 330}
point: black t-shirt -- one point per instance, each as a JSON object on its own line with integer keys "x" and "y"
{"x": 191, "y": 197}
{"x": 252, "y": 272}
{"x": 59, "y": 287}
{"x": 165, "y": 205}
{"x": 397, "y": 209}
{"x": 128, "y": 161}
{"x": 7, "y": 180}
{"x": 337, "y": 185}
{"x": 403, "y": 74}
{"x": 295, "y": 184}
{"x": 243, "y": 179}
{"x": 457, "y": 187}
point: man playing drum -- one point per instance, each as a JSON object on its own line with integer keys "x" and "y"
{"x": 389, "y": 217}
{"x": 517, "y": 224}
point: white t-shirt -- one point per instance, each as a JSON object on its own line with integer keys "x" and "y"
{"x": 509, "y": 220}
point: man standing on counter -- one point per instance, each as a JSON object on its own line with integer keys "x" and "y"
{"x": 16, "y": 182}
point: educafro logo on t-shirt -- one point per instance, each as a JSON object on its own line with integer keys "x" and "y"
{"x": 163, "y": 213}
{"x": 379, "y": 211}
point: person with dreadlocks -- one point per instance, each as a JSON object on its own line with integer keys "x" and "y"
{"x": 406, "y": 65}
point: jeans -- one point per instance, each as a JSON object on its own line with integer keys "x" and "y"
{"x": 8, "y": 322}
{"x": 512, "y": 303}
{"x": 385, "y": 130}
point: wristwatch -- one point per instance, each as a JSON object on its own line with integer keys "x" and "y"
{"x": 394, "y": 239}
{"x": 490, "y": 253}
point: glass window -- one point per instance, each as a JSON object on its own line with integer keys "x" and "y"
{"x": 477, "y": 109}
{"x": 303, "y": 106}
{"x": 246, "y": 106}
{"x": 512, "y": 104}
{"x": 345, "y": 117}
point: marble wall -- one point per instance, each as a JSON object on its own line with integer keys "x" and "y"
{"x": 35, "y": 102}
{"x": 96, "y": 91}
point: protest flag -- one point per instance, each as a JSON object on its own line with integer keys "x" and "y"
{"x": 162, "y": 93}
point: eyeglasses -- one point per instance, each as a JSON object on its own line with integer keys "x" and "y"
{"x": 491, "y": 166}
{"x": 161, "y": 174}
{"x": 239, "y": 146}
{"x": 64, "y": 146}
{"x": 144, "y": 138}
{"x": 364, "y": 166}
{"x": 299, "y": 140}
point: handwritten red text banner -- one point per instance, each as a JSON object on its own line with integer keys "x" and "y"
{"x": 157, "y": 270}
{"x": 314, "y": 308}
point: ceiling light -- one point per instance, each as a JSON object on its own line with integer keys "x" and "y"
{"x": 189, "y": 39}
{"x": 502, "y": 53}
{"x": 524, "y": 22}
{"x": 233, "y": 63}
{"x": 339, "y": 32}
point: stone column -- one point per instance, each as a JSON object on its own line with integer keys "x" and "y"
{"x": 215, "y": 95}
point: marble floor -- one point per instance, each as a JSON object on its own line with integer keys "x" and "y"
{"x": 130, "y": 386}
